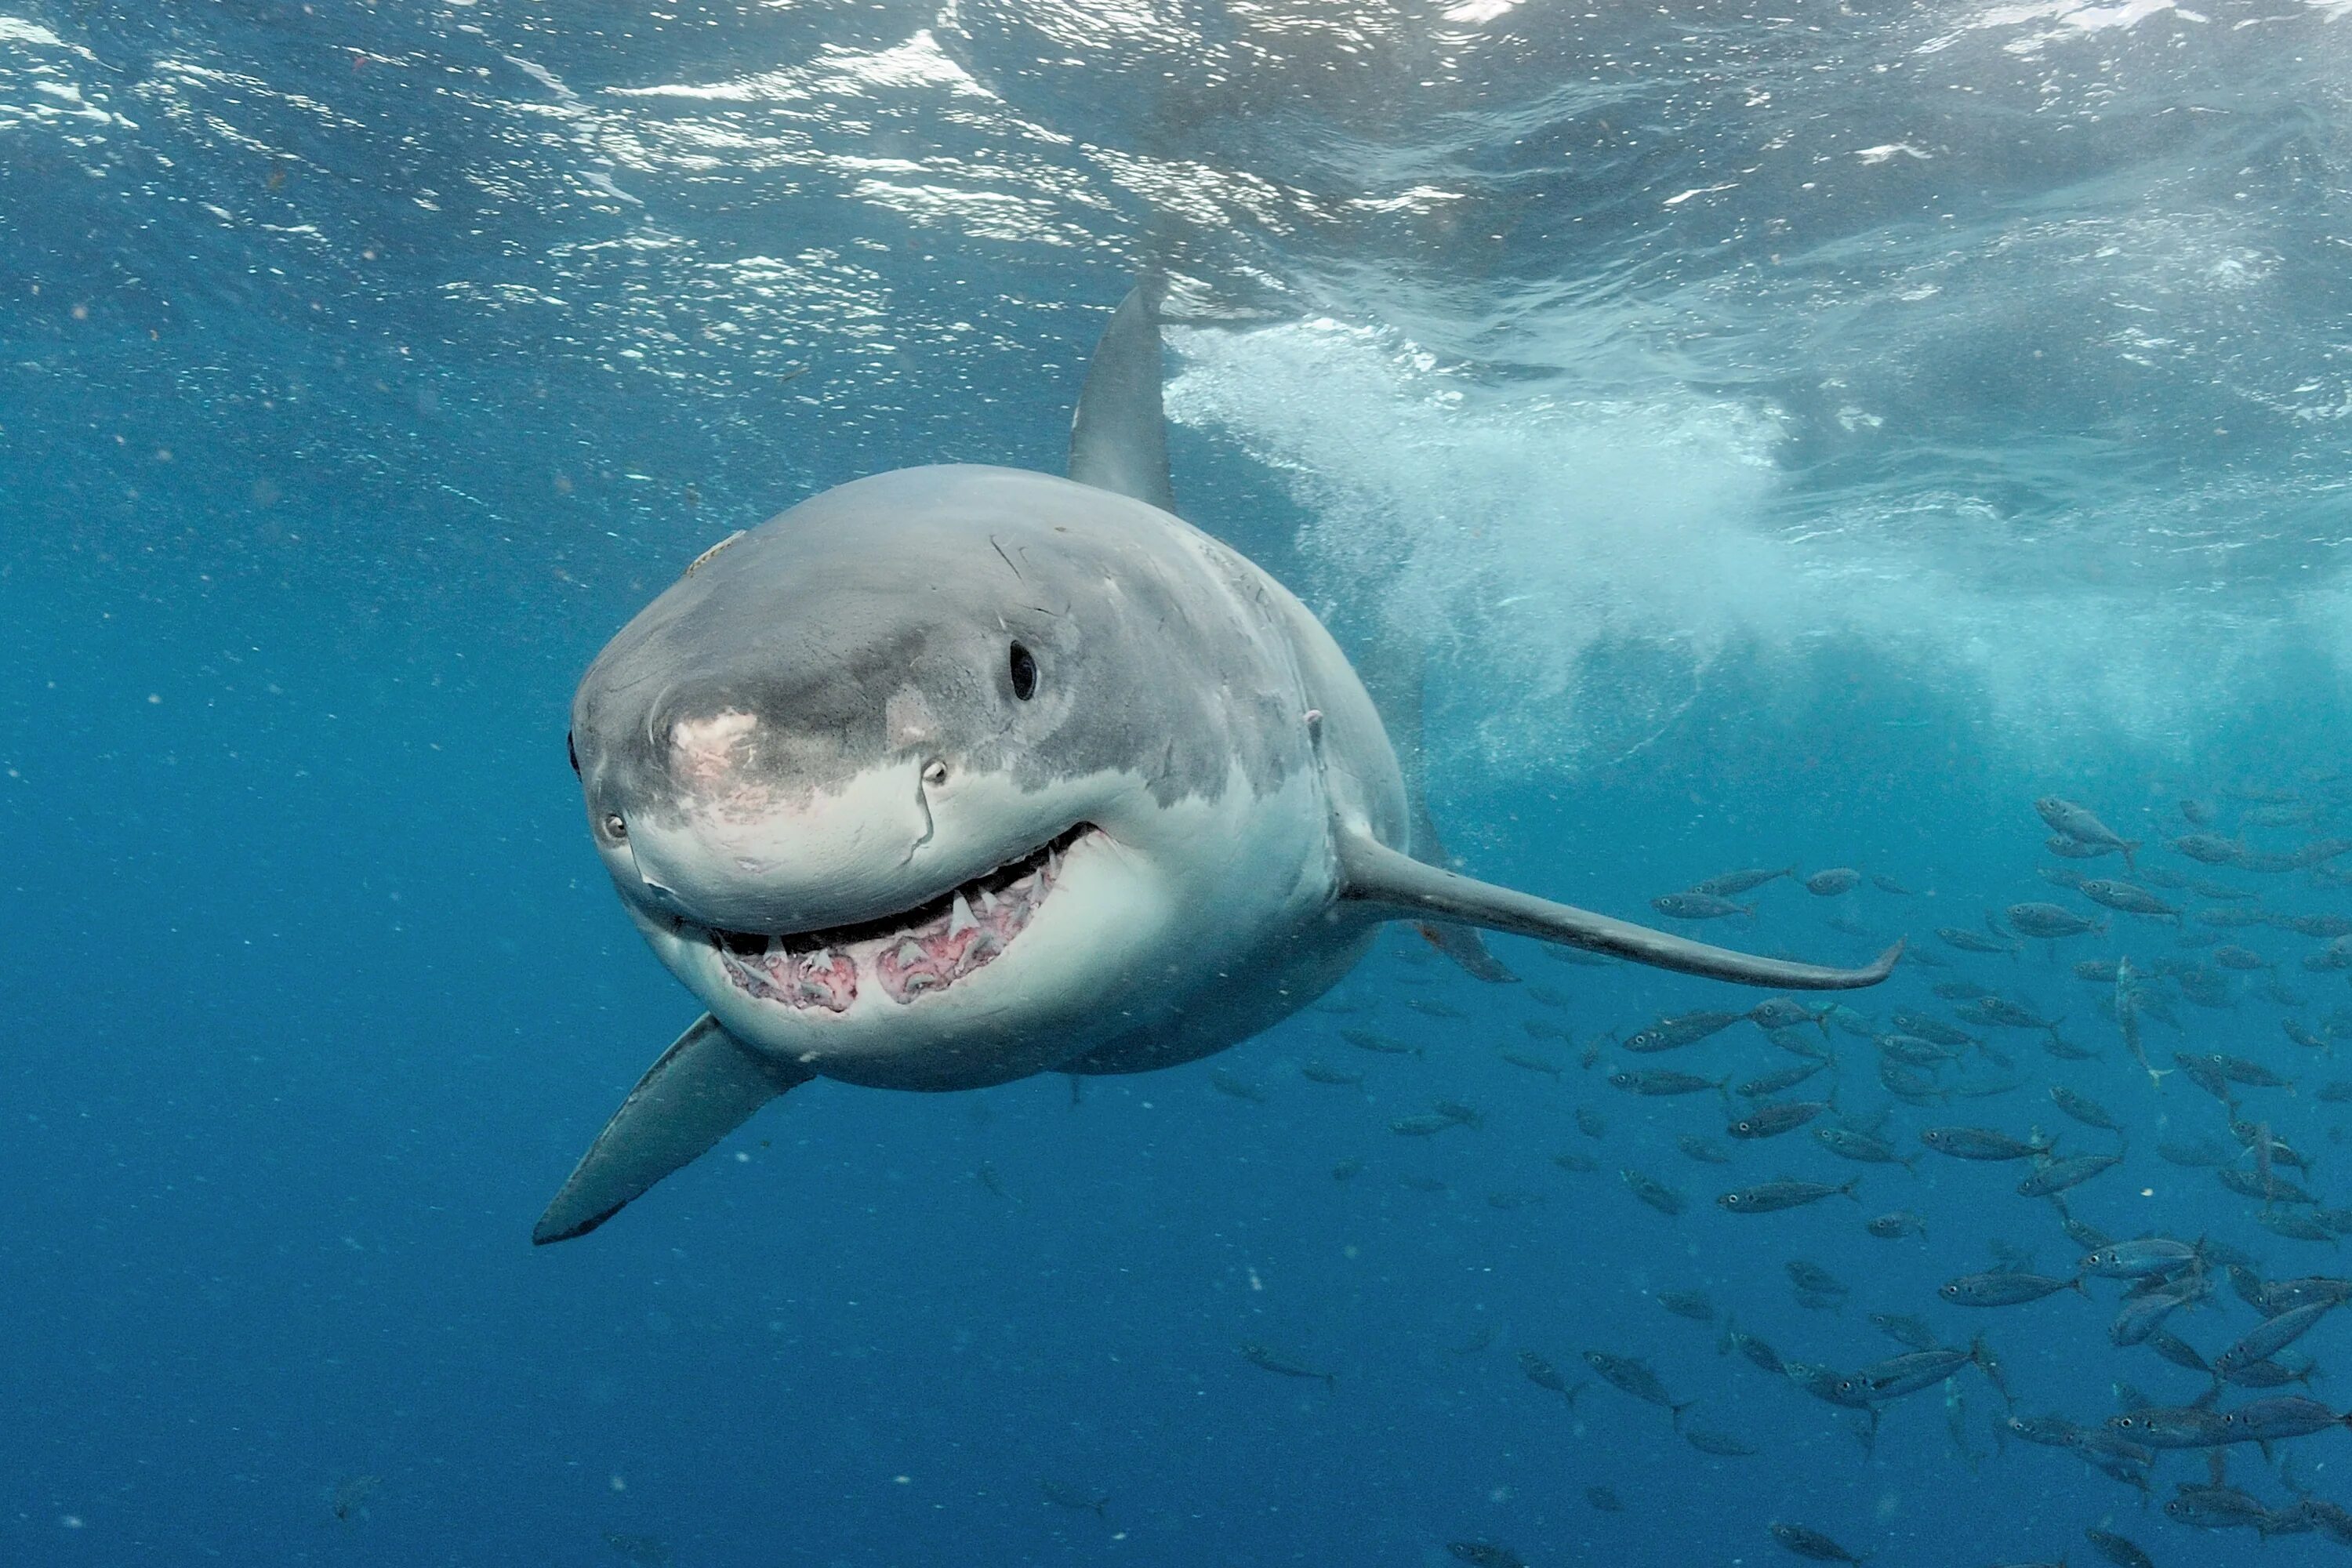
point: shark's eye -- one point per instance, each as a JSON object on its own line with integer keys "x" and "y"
{"x": 614, "y": 826}
{"x": 1024, "y": 673}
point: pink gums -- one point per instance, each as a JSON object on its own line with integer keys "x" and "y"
{"x": 933, "y": 957}
{"x": 825, "y": 977}
{"x": 914, "y": 963}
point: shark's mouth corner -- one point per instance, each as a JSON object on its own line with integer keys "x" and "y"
{"x": 910, "y": 954}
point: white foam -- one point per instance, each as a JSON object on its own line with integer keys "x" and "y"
{"x": 1523, "y": 530}
{"x": 16, "y": 30}
{"x": 545, "y": 77}
{"x": 1596, "y": 558}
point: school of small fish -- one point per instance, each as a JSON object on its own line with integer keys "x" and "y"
{"x": 2187, "y": 1008}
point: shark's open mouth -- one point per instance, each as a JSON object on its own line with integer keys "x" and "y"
{"x": 913, "y": 954}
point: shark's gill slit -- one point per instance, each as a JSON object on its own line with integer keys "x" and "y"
{"x": 923, "y": 787}
{"x": 910, "y": 955}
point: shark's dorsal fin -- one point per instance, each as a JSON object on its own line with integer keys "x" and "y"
{"x": 1118, "y": 437}
{"x": 703, "y": 1087}
{"x": 1372, "y": 873}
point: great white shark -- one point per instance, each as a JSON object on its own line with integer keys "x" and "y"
{"x": 955, "y": 774}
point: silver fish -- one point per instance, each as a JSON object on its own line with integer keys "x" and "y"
{"x": 1768, "y": 1197}
{"x": 2077, "y": 823}
{"x": 2003, "y": 1289}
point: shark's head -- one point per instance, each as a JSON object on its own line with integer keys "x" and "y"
{"x": 911, "y": 783}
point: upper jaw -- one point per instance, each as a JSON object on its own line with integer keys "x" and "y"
{"x": 911, "y": 953}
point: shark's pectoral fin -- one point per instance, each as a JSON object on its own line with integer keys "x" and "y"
{"x": 1462, "y": 944}
{"x": 703, "y": 1087}
{"x": 1394, "y": 667}
{"x": 1468, "y": 949}
{"x": 1372, "y": 873}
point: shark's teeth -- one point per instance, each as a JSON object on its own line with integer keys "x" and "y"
{"x": 919, "y": 951}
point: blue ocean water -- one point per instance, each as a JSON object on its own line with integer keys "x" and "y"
{"x": 1802, "y": 434}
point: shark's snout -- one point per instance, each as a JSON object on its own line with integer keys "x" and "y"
{"x": 734, "y": 839}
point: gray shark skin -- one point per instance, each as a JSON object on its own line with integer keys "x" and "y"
{"x": 956, "y": 775}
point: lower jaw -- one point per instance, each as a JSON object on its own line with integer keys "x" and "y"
{"x": 831, "y": 979}
{"x": 813, "y": 976}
